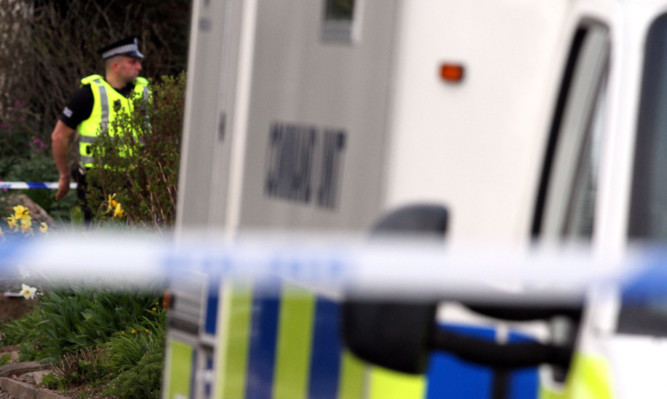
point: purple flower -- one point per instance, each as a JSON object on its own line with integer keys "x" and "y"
{"x": 37, "y": 144}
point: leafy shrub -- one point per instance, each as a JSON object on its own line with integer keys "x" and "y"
{"x": 141, "y": 169}
{"x": 78, "y": 319}
{"x": 5, "y": 358}
{"x": 51, "y": 381}
{"x": 142, "y": 381}
{"x": 87, "y": 365}
{"x": 69, "y": 321}
{"x": 137, "y": 356}
{"x": 93, "y": 337}
{"x": 130, "y": 345}
{"x": 25, "y": 333}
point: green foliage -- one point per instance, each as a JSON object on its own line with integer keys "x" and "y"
{"x": 95, "y": 337}
{"x": 87, "y": 367}
{"x": 29, "y": 351}
{"x": 77, "y": 319}
{"x": 23, "y": 332}
{"x": 69, "y": 321}
{"x": 51, "y": 381}
{"x": 137, "y": 356}
{"x": 5, "y": 359}
{"x": 132, "y": 343}
{"x": 138, "y": 158}
{"x": 141, "y": 381}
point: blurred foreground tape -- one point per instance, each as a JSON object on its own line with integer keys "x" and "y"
{"x": 331, "y": 265}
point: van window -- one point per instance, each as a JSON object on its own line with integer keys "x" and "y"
{"x": 338, "y": 21}
{"x": 339, "y": 10}
{"x": 565, "y": 207}
{"x": 648, "y": 209}
{"x": 643, "y": 305}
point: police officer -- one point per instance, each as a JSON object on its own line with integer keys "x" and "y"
{"x": 92, "y": 108}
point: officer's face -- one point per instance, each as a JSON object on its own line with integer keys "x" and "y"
{"x": 128, "y": 68}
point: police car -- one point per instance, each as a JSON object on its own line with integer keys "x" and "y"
{"x": 495, "y": 122}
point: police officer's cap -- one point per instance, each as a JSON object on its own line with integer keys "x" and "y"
{"x": 128, "y": 46}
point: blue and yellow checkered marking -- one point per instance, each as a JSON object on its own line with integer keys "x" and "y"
{"x": 293, "y": 349}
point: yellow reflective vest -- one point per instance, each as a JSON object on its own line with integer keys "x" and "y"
{"x": 108, "y": 103}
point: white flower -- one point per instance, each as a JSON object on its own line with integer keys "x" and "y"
{"x": 28, "y": 292}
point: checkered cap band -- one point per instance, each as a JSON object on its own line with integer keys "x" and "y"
{"x": 124, "y": 49}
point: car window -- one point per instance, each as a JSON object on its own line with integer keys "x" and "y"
{"x": 565, "y": 207}
{"x": 644, "y": 304}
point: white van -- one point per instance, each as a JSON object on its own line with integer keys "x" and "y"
{"x": 484, "y": 121}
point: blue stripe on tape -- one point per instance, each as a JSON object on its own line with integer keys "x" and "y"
{"x": 36, "y": 185}
{"x": 649, "y": 282}
{"x": 326, "y": 352}
{"x": 27, "y": 185}
{"x": 263, "y": 341}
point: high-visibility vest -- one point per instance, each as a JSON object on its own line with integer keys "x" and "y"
{"x": 108, "y": 103}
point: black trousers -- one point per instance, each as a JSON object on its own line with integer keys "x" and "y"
{"x": 79, "y": 176}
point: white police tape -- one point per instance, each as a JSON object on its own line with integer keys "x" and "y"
{"x": 26, "y": 185}
{"x": 335, "y": 267}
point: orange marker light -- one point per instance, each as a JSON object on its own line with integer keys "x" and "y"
{"x": 167, "y": 300}
{"x": 452, "y": 73}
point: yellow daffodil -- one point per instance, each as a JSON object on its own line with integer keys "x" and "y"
{"x": 134, "y": 331}
{"x": 28, "y": 292}
{"x": 21, "y": 212}
{"x": 43, "y": 228}
{"x": 118, "y": 211}
{"x": 26, "y": 225}
{"x": 111, "y": 203}
{"x": 147, "y": 331}
{"x": 11, "y": 222}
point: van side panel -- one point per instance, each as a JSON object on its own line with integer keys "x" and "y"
{"x": 317, "y": 117}
{"x": 474, "y": 146}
